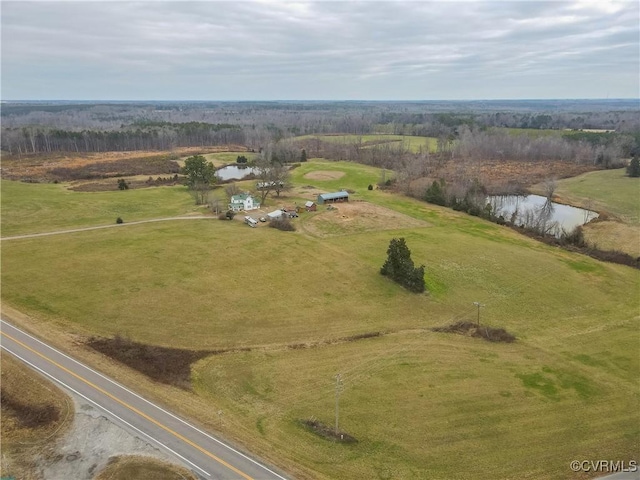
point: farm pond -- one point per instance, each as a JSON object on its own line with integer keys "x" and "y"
{"x": 538, "y": 212}
{"x": 234, "y": 172}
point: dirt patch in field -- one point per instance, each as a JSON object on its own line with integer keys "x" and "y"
{"x": 166, "y": 365}
{"x": 324, "y": 175}
{"x": 357, "y": 217}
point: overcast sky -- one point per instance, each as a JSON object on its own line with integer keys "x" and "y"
{"x": 241, "y": 50}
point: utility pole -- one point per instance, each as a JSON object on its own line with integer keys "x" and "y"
{"x": 338, "y": 392}
{"x": 478, "y": 304}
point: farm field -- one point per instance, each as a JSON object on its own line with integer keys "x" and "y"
{"x": 296, "y": 308}
{"x": 413, "y": 143}
{"x": 35, "y": 208}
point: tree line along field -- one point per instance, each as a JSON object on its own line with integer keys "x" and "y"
{"x": 295, "y": 309}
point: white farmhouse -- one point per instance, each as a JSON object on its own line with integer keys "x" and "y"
{"x": 244, "y": 201}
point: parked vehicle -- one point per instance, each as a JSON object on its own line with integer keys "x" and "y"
{"x": 252, "y": 222}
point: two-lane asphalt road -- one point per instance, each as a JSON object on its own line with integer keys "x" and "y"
{"x": 204, "y": 454}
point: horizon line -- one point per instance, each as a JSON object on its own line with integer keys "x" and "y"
{"x": 327, "y": 100}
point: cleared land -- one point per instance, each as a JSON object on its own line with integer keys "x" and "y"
{"x": 357, "y": 217}
{"x": 34, "y": 413}
{"x": 324, "y": 175}
{"x": 417, "y": 401}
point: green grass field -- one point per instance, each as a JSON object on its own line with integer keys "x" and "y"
{"x": 34, "y": 208}
{"x": 413, "y": 143}
{"x": 417, "y": 401}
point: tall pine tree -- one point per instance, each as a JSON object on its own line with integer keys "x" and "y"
{"x": 400, "y": 268}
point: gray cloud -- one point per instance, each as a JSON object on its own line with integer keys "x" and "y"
{"x": 321, "y": 50}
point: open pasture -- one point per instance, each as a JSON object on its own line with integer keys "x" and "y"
{"x": 418, "y": 402}
{"x": 37, "y": 208}
{"x": 291, "y": 305}
{"x": 411, "y": 143}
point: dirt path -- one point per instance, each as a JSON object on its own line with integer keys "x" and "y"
{"x": 86, "y": 229}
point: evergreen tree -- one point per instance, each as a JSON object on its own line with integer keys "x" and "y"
{"x": 303, "y": 155}
{"x": 633, "y": 170}
{"x": 199, "y": 171}
{"x": 400, "y": 268}
{"x": 436, "y": 193}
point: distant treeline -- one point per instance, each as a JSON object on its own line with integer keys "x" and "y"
{"x": 143, "y": 135}
{"x": 86, "y": 127}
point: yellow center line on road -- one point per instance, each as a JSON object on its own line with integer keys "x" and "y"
{"x": 132, "y": 408}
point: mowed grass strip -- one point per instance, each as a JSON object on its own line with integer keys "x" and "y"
{"x": 38, "y": 208}
{"x": 418, "y": 402}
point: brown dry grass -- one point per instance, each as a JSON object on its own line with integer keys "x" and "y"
{"x": 612, "y": 235}
{"x": 357, "y": 217}
{"x": 167, "y": 365}
{"x": 324, "y": 175}
{"x": 496, "y": 174}
{"x": 17, "y": 167}
{"x": 34, "y": 413}
{"x": 133, "y": 467}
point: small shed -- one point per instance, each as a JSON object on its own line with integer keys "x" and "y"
{"x": 310, "y": 206}
{"x": 335, "y": 197}
{"x": 275, "y": 214}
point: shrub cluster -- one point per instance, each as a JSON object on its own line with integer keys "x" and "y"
{"x": 468, "y": 328}
{"x": 282, "y": 223}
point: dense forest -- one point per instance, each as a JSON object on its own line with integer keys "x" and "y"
{"x": 463, "y": 129}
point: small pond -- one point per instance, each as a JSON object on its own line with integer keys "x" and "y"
{"x": 234, "y": 172}
{"x": 537, "y": 212}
